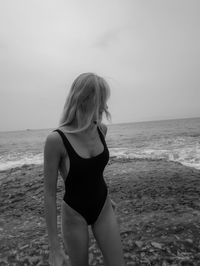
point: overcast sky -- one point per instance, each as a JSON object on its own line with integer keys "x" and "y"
{"x": 147, "y": 50}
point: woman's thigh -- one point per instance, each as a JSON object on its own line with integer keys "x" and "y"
{"x": 75, "y": 236}
{"x": 107, "y": 234}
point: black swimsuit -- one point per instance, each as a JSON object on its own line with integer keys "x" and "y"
{"x": 85, "y": 187}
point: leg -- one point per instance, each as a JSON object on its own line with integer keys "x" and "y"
{"x": 75, "y": 236}
{"x": 107, "y": 235}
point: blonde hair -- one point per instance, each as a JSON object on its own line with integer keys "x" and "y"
{"x": 87, "y": 96}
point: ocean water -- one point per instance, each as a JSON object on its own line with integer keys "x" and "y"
{"x": 171, "y": 140}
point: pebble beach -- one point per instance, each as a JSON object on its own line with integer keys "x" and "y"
{"x": 158, "y": 211}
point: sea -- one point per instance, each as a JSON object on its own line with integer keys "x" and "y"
{"x": 171, "y": 140}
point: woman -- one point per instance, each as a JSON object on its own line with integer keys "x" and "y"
{"x": 77, "y": 149}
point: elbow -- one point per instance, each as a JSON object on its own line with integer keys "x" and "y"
{"x": 49, "y": 194}
{"x": 50, "y": 188}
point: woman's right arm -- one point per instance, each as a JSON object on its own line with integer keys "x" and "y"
{"x": 52, "y": 156}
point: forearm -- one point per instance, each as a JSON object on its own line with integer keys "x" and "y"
{"x": 51, "y": 221}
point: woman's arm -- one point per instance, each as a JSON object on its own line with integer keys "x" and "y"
{"x": 104, "y": 129}
{"x": 52, "y": 157}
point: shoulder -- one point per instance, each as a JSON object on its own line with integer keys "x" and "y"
{"x": 53, "y": 143}
{"x": 103, "y": 128}
{"x": 52, "y": 138}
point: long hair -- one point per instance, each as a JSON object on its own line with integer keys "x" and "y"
{"x": 86, "y": 100}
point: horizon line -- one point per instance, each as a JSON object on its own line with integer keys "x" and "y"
{"x": 118, "y": 123}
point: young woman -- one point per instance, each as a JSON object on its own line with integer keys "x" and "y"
{"x": 77, "y": 149}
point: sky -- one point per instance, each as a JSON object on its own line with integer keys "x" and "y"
{"x": 147, "y": 50}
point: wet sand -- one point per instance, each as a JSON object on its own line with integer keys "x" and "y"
{"x": 158, "y": 211}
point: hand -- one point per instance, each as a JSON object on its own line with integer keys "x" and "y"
{"x": 114, "y": 204}
{"x": 58, "y": 258}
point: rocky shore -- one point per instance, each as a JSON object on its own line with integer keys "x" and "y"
{"x": 158, "y": 210}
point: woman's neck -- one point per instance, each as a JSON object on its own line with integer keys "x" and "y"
{"x": 91, "y": 129}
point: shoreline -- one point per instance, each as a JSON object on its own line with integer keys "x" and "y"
{"x": 112, "y": 158}
{"x": 158, "y": 212}
{"x": 4, "y": 173}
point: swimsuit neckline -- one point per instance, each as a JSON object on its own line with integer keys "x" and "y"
{"x": 90, "y": 158}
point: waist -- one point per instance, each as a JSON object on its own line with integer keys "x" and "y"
{"x": 86, "y": 193}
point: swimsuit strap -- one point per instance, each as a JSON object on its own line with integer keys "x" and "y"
{"x": 101, "y": 136}
{"x": 66, "y": 142}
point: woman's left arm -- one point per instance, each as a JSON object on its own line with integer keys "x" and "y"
{"x": 104, "y": 129}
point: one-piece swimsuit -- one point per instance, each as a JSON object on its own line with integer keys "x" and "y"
{"x": 85, "y": 188}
